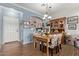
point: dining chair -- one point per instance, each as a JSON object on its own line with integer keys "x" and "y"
{"x": 59, "y": 41}
{"x": 41, "y": 46}
{"x": 76, "y": 43}
{"x": 37, "y": 43}
{"x": 53, "y": 45}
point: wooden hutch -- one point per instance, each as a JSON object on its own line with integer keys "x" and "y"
{"x": 57, "y": 24}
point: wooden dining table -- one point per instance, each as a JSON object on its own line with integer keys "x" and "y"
{"x": 42, "y": 38}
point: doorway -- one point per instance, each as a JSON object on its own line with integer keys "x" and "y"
{"x": 10, "y": 29}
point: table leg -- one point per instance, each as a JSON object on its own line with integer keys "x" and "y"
{"x": 47, "y": 49}
{"x": 35, "y": 44}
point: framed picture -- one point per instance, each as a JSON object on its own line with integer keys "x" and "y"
{"x": 72, "y": 27}
{"x": 73, "y": 19}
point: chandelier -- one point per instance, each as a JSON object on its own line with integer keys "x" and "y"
{"x": 46, "y": 16}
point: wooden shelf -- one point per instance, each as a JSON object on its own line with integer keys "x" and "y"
{"x": 57, "y": 24}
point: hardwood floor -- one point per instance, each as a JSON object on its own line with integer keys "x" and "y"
{"x": 17, "y": 49}
{"x": 12, "y": 48}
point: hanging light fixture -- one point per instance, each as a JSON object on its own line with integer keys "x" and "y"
{"x": 49, "y": 17}
{"x": 46, "y": 16}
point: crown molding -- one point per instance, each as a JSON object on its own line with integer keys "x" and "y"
{"x": 27, "y": 9}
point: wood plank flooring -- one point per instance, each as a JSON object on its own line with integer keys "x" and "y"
{"x": 17, "y": 49}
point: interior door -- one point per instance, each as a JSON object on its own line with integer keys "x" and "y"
{"x": 10, "y": 29}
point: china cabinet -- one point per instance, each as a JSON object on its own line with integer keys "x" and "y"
{"x": 57, "y": 24}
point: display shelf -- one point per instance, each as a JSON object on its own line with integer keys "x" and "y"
{"x": 57, "y": 24}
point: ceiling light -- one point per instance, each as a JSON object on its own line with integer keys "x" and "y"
{"x": 50, "y": 7}
{"x": 44, "y": 18}
{"x": 45, "y": 15}
{"x": 49, "y": 17}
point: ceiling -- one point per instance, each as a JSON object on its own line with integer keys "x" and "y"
{"x": 55, "y": 7}
{"x": 38, "y": 7}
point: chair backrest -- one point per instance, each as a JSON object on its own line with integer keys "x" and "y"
{"x": 54, "y": 40}
{"x": 77, "y": 43}
{"x": 60, "y": 37}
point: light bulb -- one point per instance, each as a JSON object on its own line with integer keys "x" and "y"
{"x": 45, "y": 15}
{"x": 27, "y": 23}
{"x": 49, "y": 17}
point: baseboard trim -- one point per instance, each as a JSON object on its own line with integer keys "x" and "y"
{"x": 18, "y": 42}
{"x": 27, "y": 42}
{"x": 12, "y": 42}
